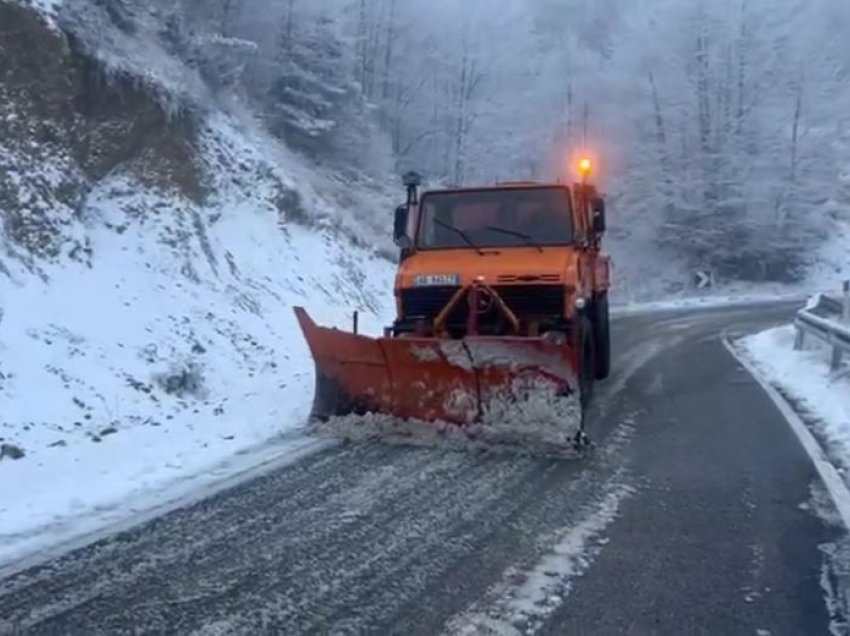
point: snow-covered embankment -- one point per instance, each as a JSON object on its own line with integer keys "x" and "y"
{"x": 148, "y": 270}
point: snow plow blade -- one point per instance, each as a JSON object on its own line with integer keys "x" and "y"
{"x": 479, "y": 380}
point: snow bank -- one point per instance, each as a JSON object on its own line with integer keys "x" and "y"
{"x": 805, "y": 377}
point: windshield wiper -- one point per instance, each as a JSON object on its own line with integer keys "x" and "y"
{"x": 460, "y": 232}
{"x": 525, "y": 237}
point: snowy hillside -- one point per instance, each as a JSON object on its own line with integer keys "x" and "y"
{"x": 149, "y": 263}
{"x": 831, "y": 263}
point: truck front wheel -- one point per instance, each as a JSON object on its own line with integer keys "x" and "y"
{"x": 602, "y": 337}
{"x": 587, "y": 364}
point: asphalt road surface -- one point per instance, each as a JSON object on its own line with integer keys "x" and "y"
{"x": 698, "y": 512}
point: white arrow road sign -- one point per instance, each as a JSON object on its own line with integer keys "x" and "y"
{"x": 703, "y": 279}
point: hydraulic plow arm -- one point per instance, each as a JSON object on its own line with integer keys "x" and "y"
{"x": 478, "y": 296}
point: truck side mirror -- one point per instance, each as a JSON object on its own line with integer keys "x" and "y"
{"x": 400, "y": 237}
{"x": 597, "y": 207}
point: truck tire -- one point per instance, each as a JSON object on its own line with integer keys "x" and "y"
{"x": 602, "y": 337}
{"x": 587, "y": 365}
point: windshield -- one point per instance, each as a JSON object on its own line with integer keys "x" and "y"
{"x": 496, "y": 218}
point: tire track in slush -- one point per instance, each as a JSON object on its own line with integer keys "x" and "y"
{"x": 164, "y": 548}
{"x": 352, "y": 569}
{"x": 352, "y": 561}
{"x": 511, "y": 544}
{"x": 227, "y": 545}
{"x": 409, "y": 571}
{"x": 105, "y": 568}
{"x": 137, "y": 573}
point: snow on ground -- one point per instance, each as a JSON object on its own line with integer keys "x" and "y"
{"x": 47, "y": 7}
{"x": 167, "y": 347}
{"x": 833, "y": 259}
{"x": 805, "y": 377}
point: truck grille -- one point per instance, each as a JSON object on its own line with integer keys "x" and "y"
{"x": 526, "y": 301}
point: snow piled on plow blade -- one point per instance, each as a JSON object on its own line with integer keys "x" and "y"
{"x": 543, "y": 423}
{"x": 518, "y": 382}
{"x": 533, "y": 408}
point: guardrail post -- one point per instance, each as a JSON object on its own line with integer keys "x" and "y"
{"x": 830, "y": 328}
{"x": 835, "y": 363}
{"x": 799, "y": 338}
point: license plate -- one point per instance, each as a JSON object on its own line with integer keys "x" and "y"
{"x": 434, "y": 280}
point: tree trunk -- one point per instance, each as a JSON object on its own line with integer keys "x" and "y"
{"x": 388, "y": 52}
{"x": 664, "y": 157}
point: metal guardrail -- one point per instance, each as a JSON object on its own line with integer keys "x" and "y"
{"x": 827, "y": 318}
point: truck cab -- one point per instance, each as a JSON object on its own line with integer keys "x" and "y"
{"x": 536, "y": 246}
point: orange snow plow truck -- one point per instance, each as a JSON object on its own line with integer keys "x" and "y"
{"x": 502, "y": 313}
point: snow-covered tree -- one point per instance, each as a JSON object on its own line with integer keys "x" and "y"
{"x": 728, "y": 121}
{"x": 312, "y": 83}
